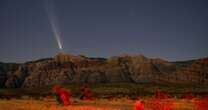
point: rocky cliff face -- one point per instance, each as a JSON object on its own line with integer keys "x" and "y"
{"x": 67, "y": 69}
{"x": 196, "y": 73}
{"x": 6, "y": 71}
{"x": 49, "y": 73}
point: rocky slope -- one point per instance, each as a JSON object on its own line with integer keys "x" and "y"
{"x": 69, "y": 69}
{"x": 7, "y": 70}
{"x": 196, "y": 73}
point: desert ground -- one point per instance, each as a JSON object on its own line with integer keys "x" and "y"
{"x": 101, "y": 104}
{"x": 110, "y": 97}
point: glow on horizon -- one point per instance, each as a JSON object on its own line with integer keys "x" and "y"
{"x": 53, "y": 22}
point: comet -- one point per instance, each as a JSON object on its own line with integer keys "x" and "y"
{"x": 52, "y": 16}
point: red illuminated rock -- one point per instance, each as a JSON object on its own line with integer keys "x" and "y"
{"x": 86, "y": 93}
{"x": 139, "y": 105}
{"x": 63, "y": 95}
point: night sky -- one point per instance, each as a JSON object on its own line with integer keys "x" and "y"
{"x": 169, "y": 29}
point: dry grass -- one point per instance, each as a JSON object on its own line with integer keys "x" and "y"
{"x": 50, "y": 104}
{"x": 98, "y": 104}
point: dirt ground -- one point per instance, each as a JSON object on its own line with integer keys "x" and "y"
{"x": 99, "y": 104}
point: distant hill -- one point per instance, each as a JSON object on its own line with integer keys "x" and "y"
{"x": 182, "y": 64}
{"x": 70, "y": 69}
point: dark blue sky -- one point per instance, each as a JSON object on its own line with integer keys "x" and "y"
{"x": 169, "y": 29}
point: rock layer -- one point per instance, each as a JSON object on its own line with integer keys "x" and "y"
{"x": 69, "y": 69}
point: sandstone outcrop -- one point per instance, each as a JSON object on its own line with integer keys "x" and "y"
{"x": 70, "y": 69}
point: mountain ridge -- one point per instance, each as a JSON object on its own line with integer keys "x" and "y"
{"x": 69, "y": 69}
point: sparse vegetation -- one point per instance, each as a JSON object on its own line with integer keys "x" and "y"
{"x": 150, "y": 103}
{"x": 114, "y": 89}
